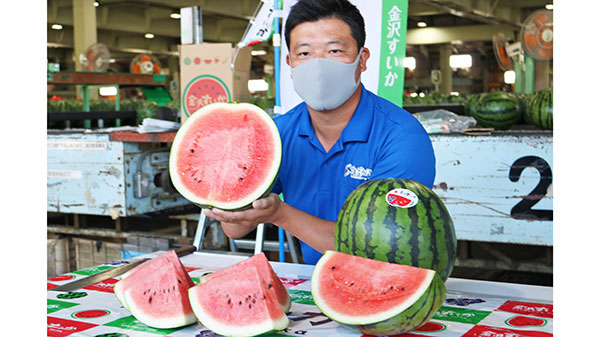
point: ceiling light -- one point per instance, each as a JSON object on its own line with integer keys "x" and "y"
{"x": 258, "y": 85}
{"x": 149, "y": 36}
{"x": 410, "y": 62}
{"x": 96, "y": 4}
{"x": 56, "y": 26}
{"x": 108, "y": 91}
{"x": 258, "y": 52}
{"x": 175, "y": 15}
{"x": 422, "y": 24}
{"x": 461, "y": 61}
{"x": 549, "y": 7}
{"x": 509, "y": 77}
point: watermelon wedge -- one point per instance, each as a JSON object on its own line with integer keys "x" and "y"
{"x": 155, "y": 292}
{"x": 237, "y": 303}
{"x": 272, "y": 282}
{"x": 147, "y": 268}
{"x": 226, "y": 155}
{"x": 375, "y": 297}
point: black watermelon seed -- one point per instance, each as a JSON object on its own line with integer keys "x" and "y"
{"x": 240, "y": 303}
{"x": 192, "y": 150}
{"x": 178, "y": 280}
{"x": 269, "y": 285}
{"x": 150, "y": 299}
{"x": 332, "y": 267}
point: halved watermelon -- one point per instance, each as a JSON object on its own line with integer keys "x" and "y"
{"x": 377, "y": 298}
{"x": 226, "y": 155}
{"x": 272, "y": 282}
{"x": 155, "y": 292}
{"x": 237, "y": 303}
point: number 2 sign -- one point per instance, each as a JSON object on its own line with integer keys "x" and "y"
{"x": 497, "y": 188}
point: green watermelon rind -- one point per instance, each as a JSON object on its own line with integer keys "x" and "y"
{"x": 540, "y": 110}
{"x": 355, "y": 234}
{"x": 242, "y": 204}
{"x": 185, "y": 110}
{"x": 406, "y": 316}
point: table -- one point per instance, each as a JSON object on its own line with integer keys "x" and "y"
{"x": 472, "y": 308}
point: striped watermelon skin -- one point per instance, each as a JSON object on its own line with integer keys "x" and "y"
{"x": 415, "y": 316}
{"x": 422, "y": 236}
{"x": 471, "y": 104}
{"x": 540, "y": 110}
{"x": 498, "y": 110}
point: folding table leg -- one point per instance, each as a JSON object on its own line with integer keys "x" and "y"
{"x": 200, "y": 231}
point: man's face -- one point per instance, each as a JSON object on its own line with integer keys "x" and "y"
{"x": 327, "y": 38}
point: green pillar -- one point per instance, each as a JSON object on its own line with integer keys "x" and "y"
{"x": 529, "y": 75}
{"x": 518, "y": 75}
{"x": 445, "y": 52}
{"x": 84, "y": 31}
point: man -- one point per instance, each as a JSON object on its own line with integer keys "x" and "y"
{"x": 339, "y": 137}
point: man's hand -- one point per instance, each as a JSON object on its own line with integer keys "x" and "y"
{"x": 239, "y": 223}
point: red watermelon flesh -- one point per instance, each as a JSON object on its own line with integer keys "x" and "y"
{"x": 388, "y": 285}
{"x": 160, "y": 299}
{"x": 226, "y": 156}
{"x": 272, "y": 281}
{"x": 238, "y": 303}
{"x": 149, "y": 267}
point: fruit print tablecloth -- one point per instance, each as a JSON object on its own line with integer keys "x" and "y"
{"x": 95, "y": 311}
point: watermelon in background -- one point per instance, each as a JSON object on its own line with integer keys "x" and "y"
{"x": 377, "y": 298}
{"x": 540, "y": 110}
{"x": 400, "y": 221}
{"x": 498, "y": 109}
{"x": 471, "y": 104}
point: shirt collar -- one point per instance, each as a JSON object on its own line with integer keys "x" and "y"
{"x": 358, "y": 127}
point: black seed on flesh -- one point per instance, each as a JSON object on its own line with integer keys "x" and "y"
{"x": 402, "y": 289}
{"x": 240, "y": 303}
{"x": 150, "y": 299}
{"x": 269, "y": 285}
{"x": 178, "y": 280}
{"x": 192, "y": 150}
{"x": 241, "y": 178}
{"x": 229, "y": 301}
{"x": 332, "y": 267}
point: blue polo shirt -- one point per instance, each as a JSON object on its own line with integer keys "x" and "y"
{"x": 381, "y": 140}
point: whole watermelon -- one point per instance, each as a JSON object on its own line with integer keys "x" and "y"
{"x": 400, "y": 221}
{"x": 498, "y": 110}
{"x": 471, "y": 104}
{"x": 540, "y": 110}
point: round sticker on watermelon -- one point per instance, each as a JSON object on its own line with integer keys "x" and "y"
{"x": 401, "y": 197}
{"x": 203, "y": 90}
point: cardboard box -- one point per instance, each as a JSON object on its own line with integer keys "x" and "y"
{"x": 207, "y": 76}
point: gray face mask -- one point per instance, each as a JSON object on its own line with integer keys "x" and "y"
{"x": 325, "y": 84}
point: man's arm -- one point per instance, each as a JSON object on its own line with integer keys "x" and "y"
{"x": 316, "y": 232}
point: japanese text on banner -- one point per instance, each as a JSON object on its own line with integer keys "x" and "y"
{"x": 393, "y": 50}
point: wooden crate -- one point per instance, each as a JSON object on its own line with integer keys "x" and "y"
{"x": 89, "y": 253}
{"x": 58, "y": 258}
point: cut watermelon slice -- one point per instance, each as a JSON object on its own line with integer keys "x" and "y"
{"x": 226, "y": 155}
{"x": 160, "y": 299}
{"x": 237, "y": 303}
{"x": 148, "y": 268}
{"x": 272, "y": 282}
{"x": 378, "y": 298}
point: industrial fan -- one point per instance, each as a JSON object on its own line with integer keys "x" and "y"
{"x": 505, "y": 51}
{"x": 145, "y": 64}
{"x": 537, "y": 35}
{"x": 96, "y": 58}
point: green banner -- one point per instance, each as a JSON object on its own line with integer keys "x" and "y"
{"x": 461, "y": 315}
{"x": 393, "y": 49}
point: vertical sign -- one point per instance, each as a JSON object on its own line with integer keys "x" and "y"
{"x": 393, "y": 49}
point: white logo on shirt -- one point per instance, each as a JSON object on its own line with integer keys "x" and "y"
{"x": 359, "y": 173}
